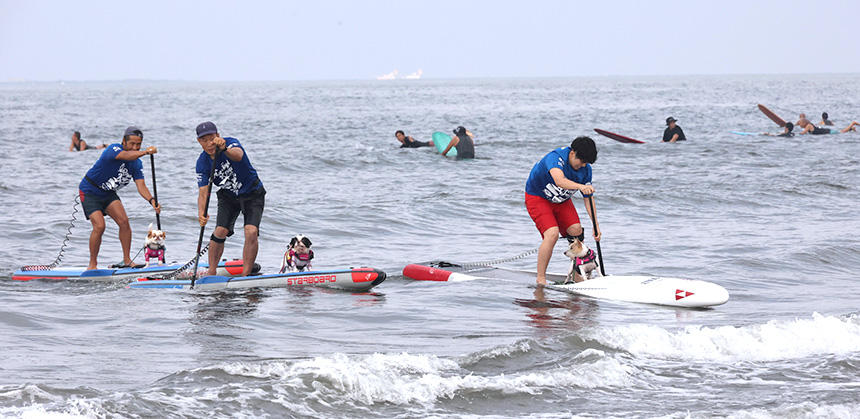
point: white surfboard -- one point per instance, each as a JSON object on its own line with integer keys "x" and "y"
{"x": 677, "y": 292}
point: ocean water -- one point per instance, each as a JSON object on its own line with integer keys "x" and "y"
{"x": 772, "y": 220}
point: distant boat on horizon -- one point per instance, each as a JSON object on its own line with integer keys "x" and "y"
{"x": 390, "y": 76}
{"x": 414, "y": 76}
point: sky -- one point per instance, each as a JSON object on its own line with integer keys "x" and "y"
{"x": 355, "y": 40}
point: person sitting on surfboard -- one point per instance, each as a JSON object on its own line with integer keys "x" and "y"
{"x": 551, "y": 184}
{"x": 406, "y": 141}
{"x": 673, "y": 132}
{"x": 463, "y": 142}
{"x": 117, "y": 165}
{"x": 787, "y": 131}
{"x": 825, "y": 119}
{"x": 79, "y": 144}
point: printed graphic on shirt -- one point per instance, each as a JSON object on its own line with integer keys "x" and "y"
{"x": 115, "y": 183}
{"x": 226, "y": 178}
{"x": 556, "y": 194}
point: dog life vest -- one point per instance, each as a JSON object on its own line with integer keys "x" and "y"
{"x": 297, "y": 260}
{"x": 590, "y": 257}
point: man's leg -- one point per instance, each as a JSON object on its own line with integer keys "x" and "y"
{"x": 116, "y": 211}
{"x": 574, "y": 230}
{"x": 249, "y": 252}
{"x": 98, "y": 221}
{"x": 216, "y": 249}
{"x": 550, "y": 237}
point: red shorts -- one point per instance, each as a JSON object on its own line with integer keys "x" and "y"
{"x": 547, "y": 214}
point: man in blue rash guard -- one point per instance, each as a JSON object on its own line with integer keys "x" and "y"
{"x": 118, "y": 165}
{"x": 240, "y": 190}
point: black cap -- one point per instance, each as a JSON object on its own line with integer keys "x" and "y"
{"x": 133, "y": 131}
{"x": 670, "y": 119}
{"x": 206, "y": 128}
{"x": 461, "y": 130}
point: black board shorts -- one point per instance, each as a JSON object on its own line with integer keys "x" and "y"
{"x": 819, "y": 131}
{"x": 92, "y": 203}
{"x": 250, "y": 205}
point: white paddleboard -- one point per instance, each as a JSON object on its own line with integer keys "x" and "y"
{"x": 676, "y": 292}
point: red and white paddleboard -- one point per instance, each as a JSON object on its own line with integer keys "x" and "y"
{"x": 429, "y": 273}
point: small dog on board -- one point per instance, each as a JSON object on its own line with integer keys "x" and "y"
{"x": 154, "y": 245}
{"x": 583, "y": 261}
{"x": 298, "y": 256}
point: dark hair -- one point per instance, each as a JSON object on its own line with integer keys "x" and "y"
{"x": 77, "y": 134}
{"x": 400, "y": 131}
{"x": 585, "y": 149}
{"x": 790, "y": 126}
{"x": 824, "y": 116}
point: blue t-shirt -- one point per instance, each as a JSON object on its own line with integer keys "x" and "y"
{"x": 109, "y": 173}
{"x": 541, "y": 183}
{"x": 236, "y": 177}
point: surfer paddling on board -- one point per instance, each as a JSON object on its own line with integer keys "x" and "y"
{"x": 552, "y": 182}
{"x": 786, "y": 132}
{"x": 807, "y": 127}
{"x": 463, "y": 142}
{"x": 78, "y": 144}
{"x": 673, "y": 132}
{"x": 117, "y": 165}
{"x": 406, "y": 141}
{"x": 240, "y": 190}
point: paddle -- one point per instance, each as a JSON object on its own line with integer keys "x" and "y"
{"x": 594, "y": 225}
{"x": 205, "y": 213}
{"x": 155, "y": 190}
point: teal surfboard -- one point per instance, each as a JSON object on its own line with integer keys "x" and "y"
{"x": 441, "y": 140}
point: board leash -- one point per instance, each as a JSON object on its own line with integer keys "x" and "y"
{"x": 174, "y": 274}
{"x": 493, "y": 262}
{"x": 66, "y": 239}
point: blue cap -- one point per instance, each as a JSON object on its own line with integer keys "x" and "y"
{"x": 133, "y": 131}
{"x": 206, "y": 128}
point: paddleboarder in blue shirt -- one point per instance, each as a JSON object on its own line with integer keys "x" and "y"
{"x": 552, "y": 182}
{"x": 116, "y": 167}
{"x": 240, "y": 191}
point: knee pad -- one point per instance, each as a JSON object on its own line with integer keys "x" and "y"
{"x": 216, "y": 239}
{"x": 580, "y": 237}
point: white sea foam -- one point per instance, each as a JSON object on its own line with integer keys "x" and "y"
{"x": 774, "y": 340}
{"x": 407, "y": 378}
{"x": 802, "y": 410}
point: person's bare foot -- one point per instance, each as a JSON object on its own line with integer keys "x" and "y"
{"x": 541, "y": 281}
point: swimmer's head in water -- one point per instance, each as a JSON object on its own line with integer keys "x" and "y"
{"x": 789, "y": 126}
{"x": 825, "y": 116}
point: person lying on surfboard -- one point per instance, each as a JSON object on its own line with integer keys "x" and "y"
{"x": 78, "y": 144}
{"x": 463, "y": 142}
{"x": 786, "y": 132}
{"x": 807, "y": 127}
{"x": 118, "y": 165}
{"x": 552, "y": 182}
{"x": 406, "y": 141}
{"x": 673, "y": 132}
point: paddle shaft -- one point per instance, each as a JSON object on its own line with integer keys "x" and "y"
{"x": 205, "y": 214}
{"x": 155, "y": 190}
{"x": 594, "y": 225}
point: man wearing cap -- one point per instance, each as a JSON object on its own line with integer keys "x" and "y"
{"x": 118, "y": 165}
{"x": 240, "y": 190}
{"x": 463, "y": 142}
{"x": 673, "y": 132}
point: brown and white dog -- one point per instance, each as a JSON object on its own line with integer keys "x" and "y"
{"x": 155, "y": 245}
{"x": 583, "y": 261}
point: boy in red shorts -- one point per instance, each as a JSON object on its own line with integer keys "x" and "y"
{"x": 552, "y": 182}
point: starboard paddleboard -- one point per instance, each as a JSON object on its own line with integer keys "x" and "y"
{"x": 441, "y": 141}
{"x": 353, "y": 279}
{"x": 225, "y": 268}
{"x": 617, "y": 137}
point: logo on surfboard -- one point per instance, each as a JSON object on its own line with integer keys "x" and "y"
{"x": 679, "y": 294}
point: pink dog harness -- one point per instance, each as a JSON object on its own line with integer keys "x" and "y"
{"x": 590, "y": 257}
{"x": 154, "y": 253}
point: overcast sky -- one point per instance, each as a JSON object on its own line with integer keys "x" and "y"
{"x": 318, "y": 39}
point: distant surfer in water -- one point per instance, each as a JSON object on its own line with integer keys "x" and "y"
{"x": 673, "y": 132}
{"x": 551, "y": 184}
{"x": 807, "y": 127}
{"x": 79, "y": 144}
{"x": 240, "y": 190}
{"x": 787, "y": 131}
{"x": 825, "y": 120}
{"x": 463, "y": 141}
{"x": 406, "y": 141}
{"x": 118, "y": 165}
